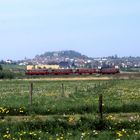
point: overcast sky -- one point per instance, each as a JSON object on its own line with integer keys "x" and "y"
{"x": 92, "y": 27}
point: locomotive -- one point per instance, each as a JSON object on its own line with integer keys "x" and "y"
{"x": 78, "y": 71}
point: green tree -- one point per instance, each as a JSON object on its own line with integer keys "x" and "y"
{"x": 1, "y": 68}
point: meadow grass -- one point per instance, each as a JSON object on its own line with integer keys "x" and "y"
{"x": 72, "y": 111}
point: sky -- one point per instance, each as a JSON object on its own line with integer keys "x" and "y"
{"x": 93, "y": 27}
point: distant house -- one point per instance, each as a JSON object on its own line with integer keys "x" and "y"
{"x": 23, "y": 64}
{"x": 64, "y": 65}
{"x": 46, "y": 66}
{"x": 30, "y": 67}
{"x": 8, "y": 61}
{"x": 79, "y": 63}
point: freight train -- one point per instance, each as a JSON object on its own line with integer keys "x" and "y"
{"x": 79, "y": 71}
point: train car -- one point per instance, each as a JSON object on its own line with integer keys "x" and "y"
{"x": 86, "y": 71}
{"x": 109, "y": 71}
{"x": 79, "y": 71}
{"x": 61, "y": 71}
{"x": 37, "y": 72}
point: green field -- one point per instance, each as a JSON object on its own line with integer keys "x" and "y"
{"x": 13, "y": 67}
{"x": 71, "y": 111}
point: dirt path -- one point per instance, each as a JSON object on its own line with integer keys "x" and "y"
{"x": 69, "y": 79}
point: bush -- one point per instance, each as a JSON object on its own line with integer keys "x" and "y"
{"x": 6, "y": 75}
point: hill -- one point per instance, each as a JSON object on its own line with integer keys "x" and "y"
{"x": 64, "y": 54}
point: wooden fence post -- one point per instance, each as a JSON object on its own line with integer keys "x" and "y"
{"x": 95, "y": 86}
{"x": 30, "y": 93}
{"x": 63, "y": 92}
{"x": 101, "y": 106}
{"x": 87, "y": 88}
{"x": 76, "y": 89}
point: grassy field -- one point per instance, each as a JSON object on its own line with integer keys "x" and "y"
{"x": 13, "y": 67}
{"x": 70, "y": 110}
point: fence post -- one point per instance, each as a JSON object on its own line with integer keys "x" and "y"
{"x": 30, "y": 93}
{"x": 87, "y": 88}
{"x": 94, "y": 85}
{"x": 101, "y": 106}
{"x": 76, "y": 89}
{"x": 63, "y": 92}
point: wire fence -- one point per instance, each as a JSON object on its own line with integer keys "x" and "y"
{"x": 104, "y": 102}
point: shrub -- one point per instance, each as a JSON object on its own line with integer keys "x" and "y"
{"x": 6, "y": 75}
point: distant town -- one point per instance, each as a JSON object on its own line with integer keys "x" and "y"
{"x": 73, "y": 59}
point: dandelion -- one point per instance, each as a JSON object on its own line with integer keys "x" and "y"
{"x": 71, "y": 119}
{"x": 7, "y": 136}
{"x": 119, "y": 134}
